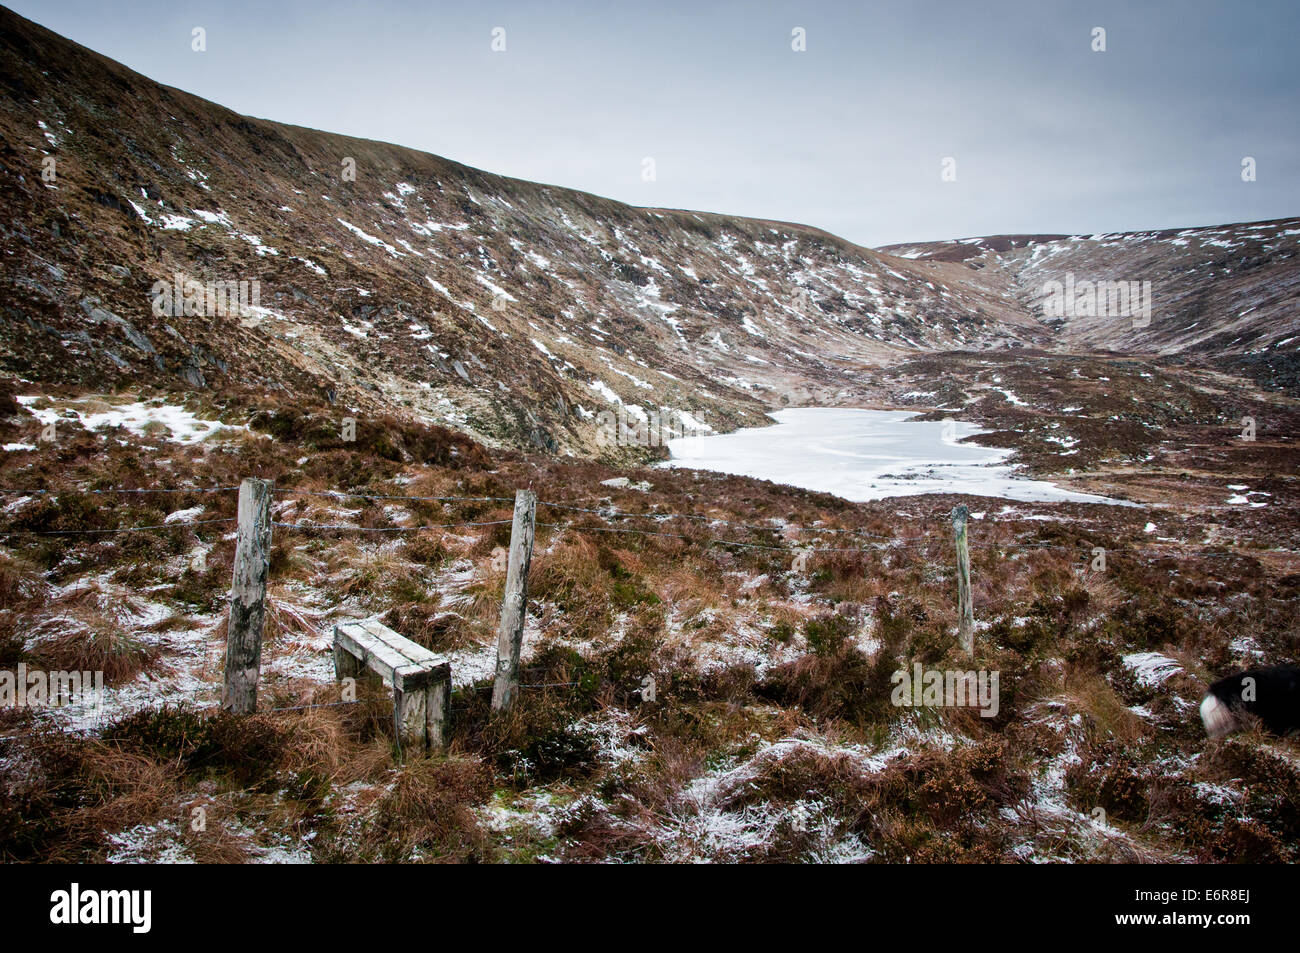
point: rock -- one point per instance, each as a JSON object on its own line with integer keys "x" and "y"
{"x": 623, "y": 483}
{"x": 113, "y": 202}
{"x": 104, "y": 316}
{"x": 25, "y": 282}
{"x": 99, "y": 315}
{"x": 542, "y": 440}
{"x": 137, "y": 339}
{"x": 300, "y": 295}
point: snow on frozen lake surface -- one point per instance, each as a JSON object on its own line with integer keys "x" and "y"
{"x": 865, "y": 455}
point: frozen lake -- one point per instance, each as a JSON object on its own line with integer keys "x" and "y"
{"x": 866, "y": 455}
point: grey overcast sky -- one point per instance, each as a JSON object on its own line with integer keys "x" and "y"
{"x": 849, "y": 135}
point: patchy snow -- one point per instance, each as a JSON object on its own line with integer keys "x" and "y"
{"x": 261, "y": 249}
{"x": 182, "y": 425}
{"x": 497, "y": 290}
{"x": 701, "y": 826}
{"x": 603, "y": 389}
{"x": 370, "y": 239}
{"x": 1151, "y": 668}
{"x": 183, "y": 516}
{"x": 213, "y": 218}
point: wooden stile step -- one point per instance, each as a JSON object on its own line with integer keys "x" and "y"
{"x": 421, "y": 683}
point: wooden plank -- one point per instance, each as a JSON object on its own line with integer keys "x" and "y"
{"x": 413, "y": 651}
{"x": 387, "y": 653}
{"x": 366, "y": 645}
{"x": 411, "y": 721}
{"x": 370, "y": 651}
{"x": 412, "y": 677}
{"x": 437, "y": 706}
{"x": 248, "y": 598}
{"x": 346, "y": 665}
{"x": 514, "y": 605}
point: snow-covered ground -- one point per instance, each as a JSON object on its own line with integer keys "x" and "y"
{"x": 865, "y": 455}
{"x": 182, "y": 425}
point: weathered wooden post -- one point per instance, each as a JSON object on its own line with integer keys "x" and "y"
{"x": 248, "y": 598}
{"x": 421, "y": 703}
{"x": 510, "y": 636}
{"x": 437, "y": 706}
{"x": 965, "y": 612}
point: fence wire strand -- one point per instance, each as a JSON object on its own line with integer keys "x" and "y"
{"x": 120, "y": 529}
{"x": 385, "y": 529}
{"x": 889, "y": 542}
{"x": 889, "y": 545}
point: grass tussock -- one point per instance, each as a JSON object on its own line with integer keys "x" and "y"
{"x": 71, "y": 792}
{"x": 426, "y": 815}
{"x": 99, "y": 646}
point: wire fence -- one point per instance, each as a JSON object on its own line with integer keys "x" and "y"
{"x": 879, "y": 542}
{"x": 874, "y": 544}
{"x": 209, "y": 697}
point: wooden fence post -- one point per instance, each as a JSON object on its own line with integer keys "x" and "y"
{"x": 965, "y": 612}
{"x": 248, "y": 598}
{"x": 437, "y": 706}
{"x": 510, "y": 636}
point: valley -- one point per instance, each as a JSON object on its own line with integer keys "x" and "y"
{"x": 403, "y": 342}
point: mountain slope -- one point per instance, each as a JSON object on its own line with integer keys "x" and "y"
{"x": 1226, "y": 294}
{"x": 510, "y": 310}
{"x": 514, "y": 311}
